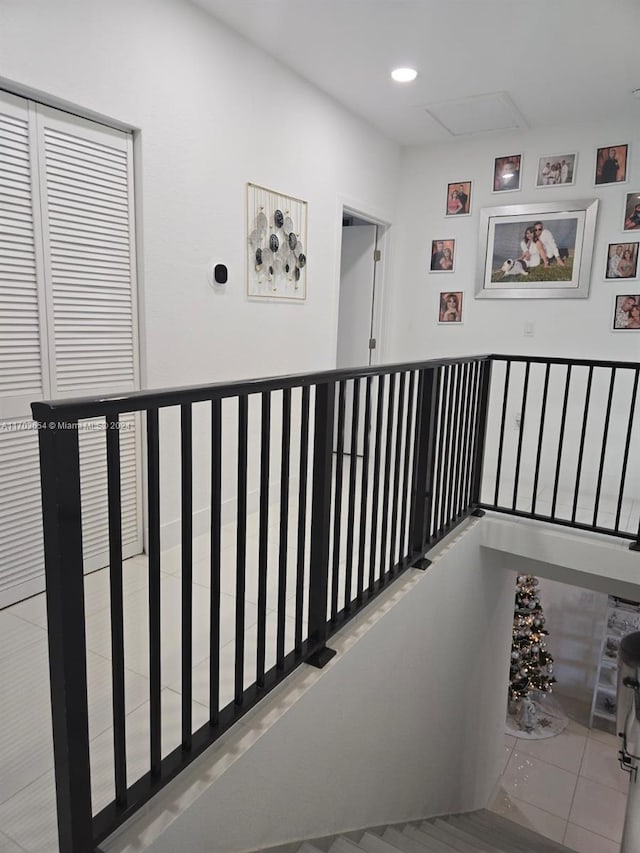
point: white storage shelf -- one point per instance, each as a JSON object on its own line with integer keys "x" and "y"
{"x": 623, "y": 617}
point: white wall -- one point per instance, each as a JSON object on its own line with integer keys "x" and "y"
{"x": 405, "y": 722}
{"x": 212, "y": 113}
{"x": 572, "y": 327}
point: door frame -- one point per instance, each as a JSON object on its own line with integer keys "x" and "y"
{"x": 347, "y": 207}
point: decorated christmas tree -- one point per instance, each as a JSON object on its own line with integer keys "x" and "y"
{"x": 531, "y": 664}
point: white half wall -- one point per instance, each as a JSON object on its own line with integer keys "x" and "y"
{"x": 561, "y": 327}
{"x": 405, "y": 722}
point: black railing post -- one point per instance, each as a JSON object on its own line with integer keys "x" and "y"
{"x": 424, "y": 458}
{"x": 481, "y": 432}
{"x": 62, "y": 523}
{"x": 320, "y": 524}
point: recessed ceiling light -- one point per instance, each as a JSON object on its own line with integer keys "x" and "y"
{"x": 404, "y": 75}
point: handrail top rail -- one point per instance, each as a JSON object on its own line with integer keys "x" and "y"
{"x": 71, "y": 409}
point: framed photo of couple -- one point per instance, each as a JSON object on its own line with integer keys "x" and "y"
{"x": 536, "y": 251}
{"x": 442, "y": 255}
{"x": 459, "y": 199}
{"x": 622, "y": 261}
{"x": 626, "y": 313}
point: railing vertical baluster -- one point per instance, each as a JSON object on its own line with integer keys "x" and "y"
{"x": 186, "y": 459}
{"x": 241, "y": 546}
{"x": 263, "y": 535}
{"x": 627, "y": 445}
{"x": 62, "y": 514}
{"x": 351, "y": 512}
{"x": 505, "y": 397}
{"x": 320, "y": 521}
{"x": 364, "y": 488}
{"x": 155, "y": 684}
{"x": 459, "y": 433}
{"x": 563, "y": 421}
{"x": 605, "y": 436}
{"x": 583, "y": 434}
{"x": 337, "y": 503}
{"x": 447, "y": 450}
{"x": 523, "y": 410}
{"x": 397, "y": 468}
{"x": 406, "y": 485}
{"x": 376, "y": 483}
{"x": 466, "y": 433}
{"x": 453, "y": 445}
{"x": 285, "y": 461}
{"x": 480, "y": 432}
{"x": 116, "y": 601}
{"x": 387, "y": 479}
{"x": 440, "y": 475}
{"x": 473, "y": 416}
{"x": 424, "y": 458}
{"x": 214, "y": 596}
{"x": 543, "y": 411}
{"x": 302, "y": 514}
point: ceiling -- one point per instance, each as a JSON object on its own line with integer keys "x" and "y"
{"x": 559, "y": 61}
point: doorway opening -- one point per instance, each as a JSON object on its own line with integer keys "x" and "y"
{"x": 359, "y": 315}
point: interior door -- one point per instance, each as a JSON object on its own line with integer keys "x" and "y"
{"x": 357, "y": 293}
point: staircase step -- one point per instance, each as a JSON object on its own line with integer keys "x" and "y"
{"x": 505, "y": 840}
{"x": 536, "y": 841}
{"x": 309, "y": 848}
{"x": 343, "y": 845}
{"x": 375, "y": 844}
{"x": 446, "y": 838}
{"x": 470, "y": 837}
{"x": 410, "y": 845}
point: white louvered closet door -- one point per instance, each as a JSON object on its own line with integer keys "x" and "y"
{"x": 87, "y": 203}
{"x": 67, "y": 319}
{"x": 23, "y": 358}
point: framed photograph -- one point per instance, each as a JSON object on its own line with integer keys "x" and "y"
{"x": 556, "y": 170}
{"x": 536, "y": 251}
{"x": 459, "y": 199}
{"x": 443, "y": 255}
{"x": 611, "y": 164}
{"x": 450, "y": 310}
{"x": 631, "y": 221}
{"x": 622, "y": 261}
{"x": 626, "y": 313}
{"x": 276, "y": 246}
{"x": 506, "y": 173}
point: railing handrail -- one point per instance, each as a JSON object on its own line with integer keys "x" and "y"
{"x": 574, "y": 362}
{"x": 70, "y": 409}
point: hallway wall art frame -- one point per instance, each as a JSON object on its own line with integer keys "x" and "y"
{"x": 276, "y": 246}
{"x": 536, "y": 251}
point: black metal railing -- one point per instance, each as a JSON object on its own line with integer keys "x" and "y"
{"x": 560, "y": 439}
{"x": 360, "y": 471}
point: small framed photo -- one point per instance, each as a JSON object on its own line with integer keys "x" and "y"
{"x": 506, "y": 173}
{"x": 626, "y": 314}
{"x": 631, "y": 212}
{"x": 611, "y": 164}
{"x": 556, "y": 170}
{"x": 622, "y": 261}
{"x": 459, "y": 199}
{"x": 442, "y": 255}
{"x": 450, "y": 307}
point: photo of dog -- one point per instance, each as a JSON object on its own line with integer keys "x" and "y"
{"x": 511, "y": 267}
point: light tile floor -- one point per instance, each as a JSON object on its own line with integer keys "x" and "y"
{"x": 569, "y": 788}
